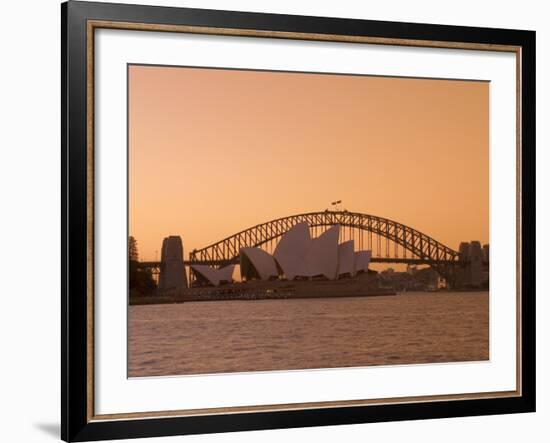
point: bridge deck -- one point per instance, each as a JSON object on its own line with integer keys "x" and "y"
{"x": 410, "y": 261}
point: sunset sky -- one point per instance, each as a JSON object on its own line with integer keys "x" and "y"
{"x": 213, "y": 152}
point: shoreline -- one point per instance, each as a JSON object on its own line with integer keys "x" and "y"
{"x": 185, "y": 298}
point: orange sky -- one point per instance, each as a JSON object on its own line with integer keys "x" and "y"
{"x": 212, "y": 152}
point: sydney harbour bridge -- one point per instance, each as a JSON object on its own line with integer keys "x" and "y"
{"x": 389, "y": 241}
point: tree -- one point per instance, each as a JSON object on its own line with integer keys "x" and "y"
{"x": 141, "y": 280}
{"x": 132, "y": 249}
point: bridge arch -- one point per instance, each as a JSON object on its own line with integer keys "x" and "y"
{"x": 418, "y": 244}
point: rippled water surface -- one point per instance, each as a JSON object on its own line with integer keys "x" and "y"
{"x": 263, "y": 335}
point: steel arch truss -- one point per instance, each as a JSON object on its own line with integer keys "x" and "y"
{"x": 419, "y": 245}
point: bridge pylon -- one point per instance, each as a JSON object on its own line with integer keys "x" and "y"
{"x": 172, "y": 268}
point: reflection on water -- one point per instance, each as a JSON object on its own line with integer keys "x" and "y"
{"x": 263, "y": 335}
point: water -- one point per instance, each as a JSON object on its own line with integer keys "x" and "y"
{"x": 263, "y": 335}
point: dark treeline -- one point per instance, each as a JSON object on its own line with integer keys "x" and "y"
{"x": 141, "y": 282}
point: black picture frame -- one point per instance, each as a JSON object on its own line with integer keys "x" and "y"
{"x": 76, "y": 422}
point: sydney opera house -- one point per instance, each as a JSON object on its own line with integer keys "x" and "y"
{"x": 297, "y": 256}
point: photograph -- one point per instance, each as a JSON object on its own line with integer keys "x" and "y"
{"x": 295, "y": 218}
{"x": 285, "y": 220}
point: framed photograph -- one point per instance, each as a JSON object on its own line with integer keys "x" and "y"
{"x": 275, "y": 221}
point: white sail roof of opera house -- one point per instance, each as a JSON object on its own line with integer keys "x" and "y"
{"x": 322, "y": 255}
{"x": 214, "y": 276}
{"x": 292, "y": 249}
{"x": 257, "y": 263}
{"x": 362, "y": 261}
{"x": 346, "y": 258}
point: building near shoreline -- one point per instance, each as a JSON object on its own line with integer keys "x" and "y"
{"x": 297, "y": 256}
{"x": 362, "y": 261}
{"x": 322, "y": 255}
{"x": 475, "y": 272}
{"x": 346, "y": 259}
{"x": 257, "y": 264}
{"x": 208, "y": 275}
{"x": 291, "y": 251}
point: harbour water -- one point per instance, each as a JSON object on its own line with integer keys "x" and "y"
{"x": 265, "y": 335}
